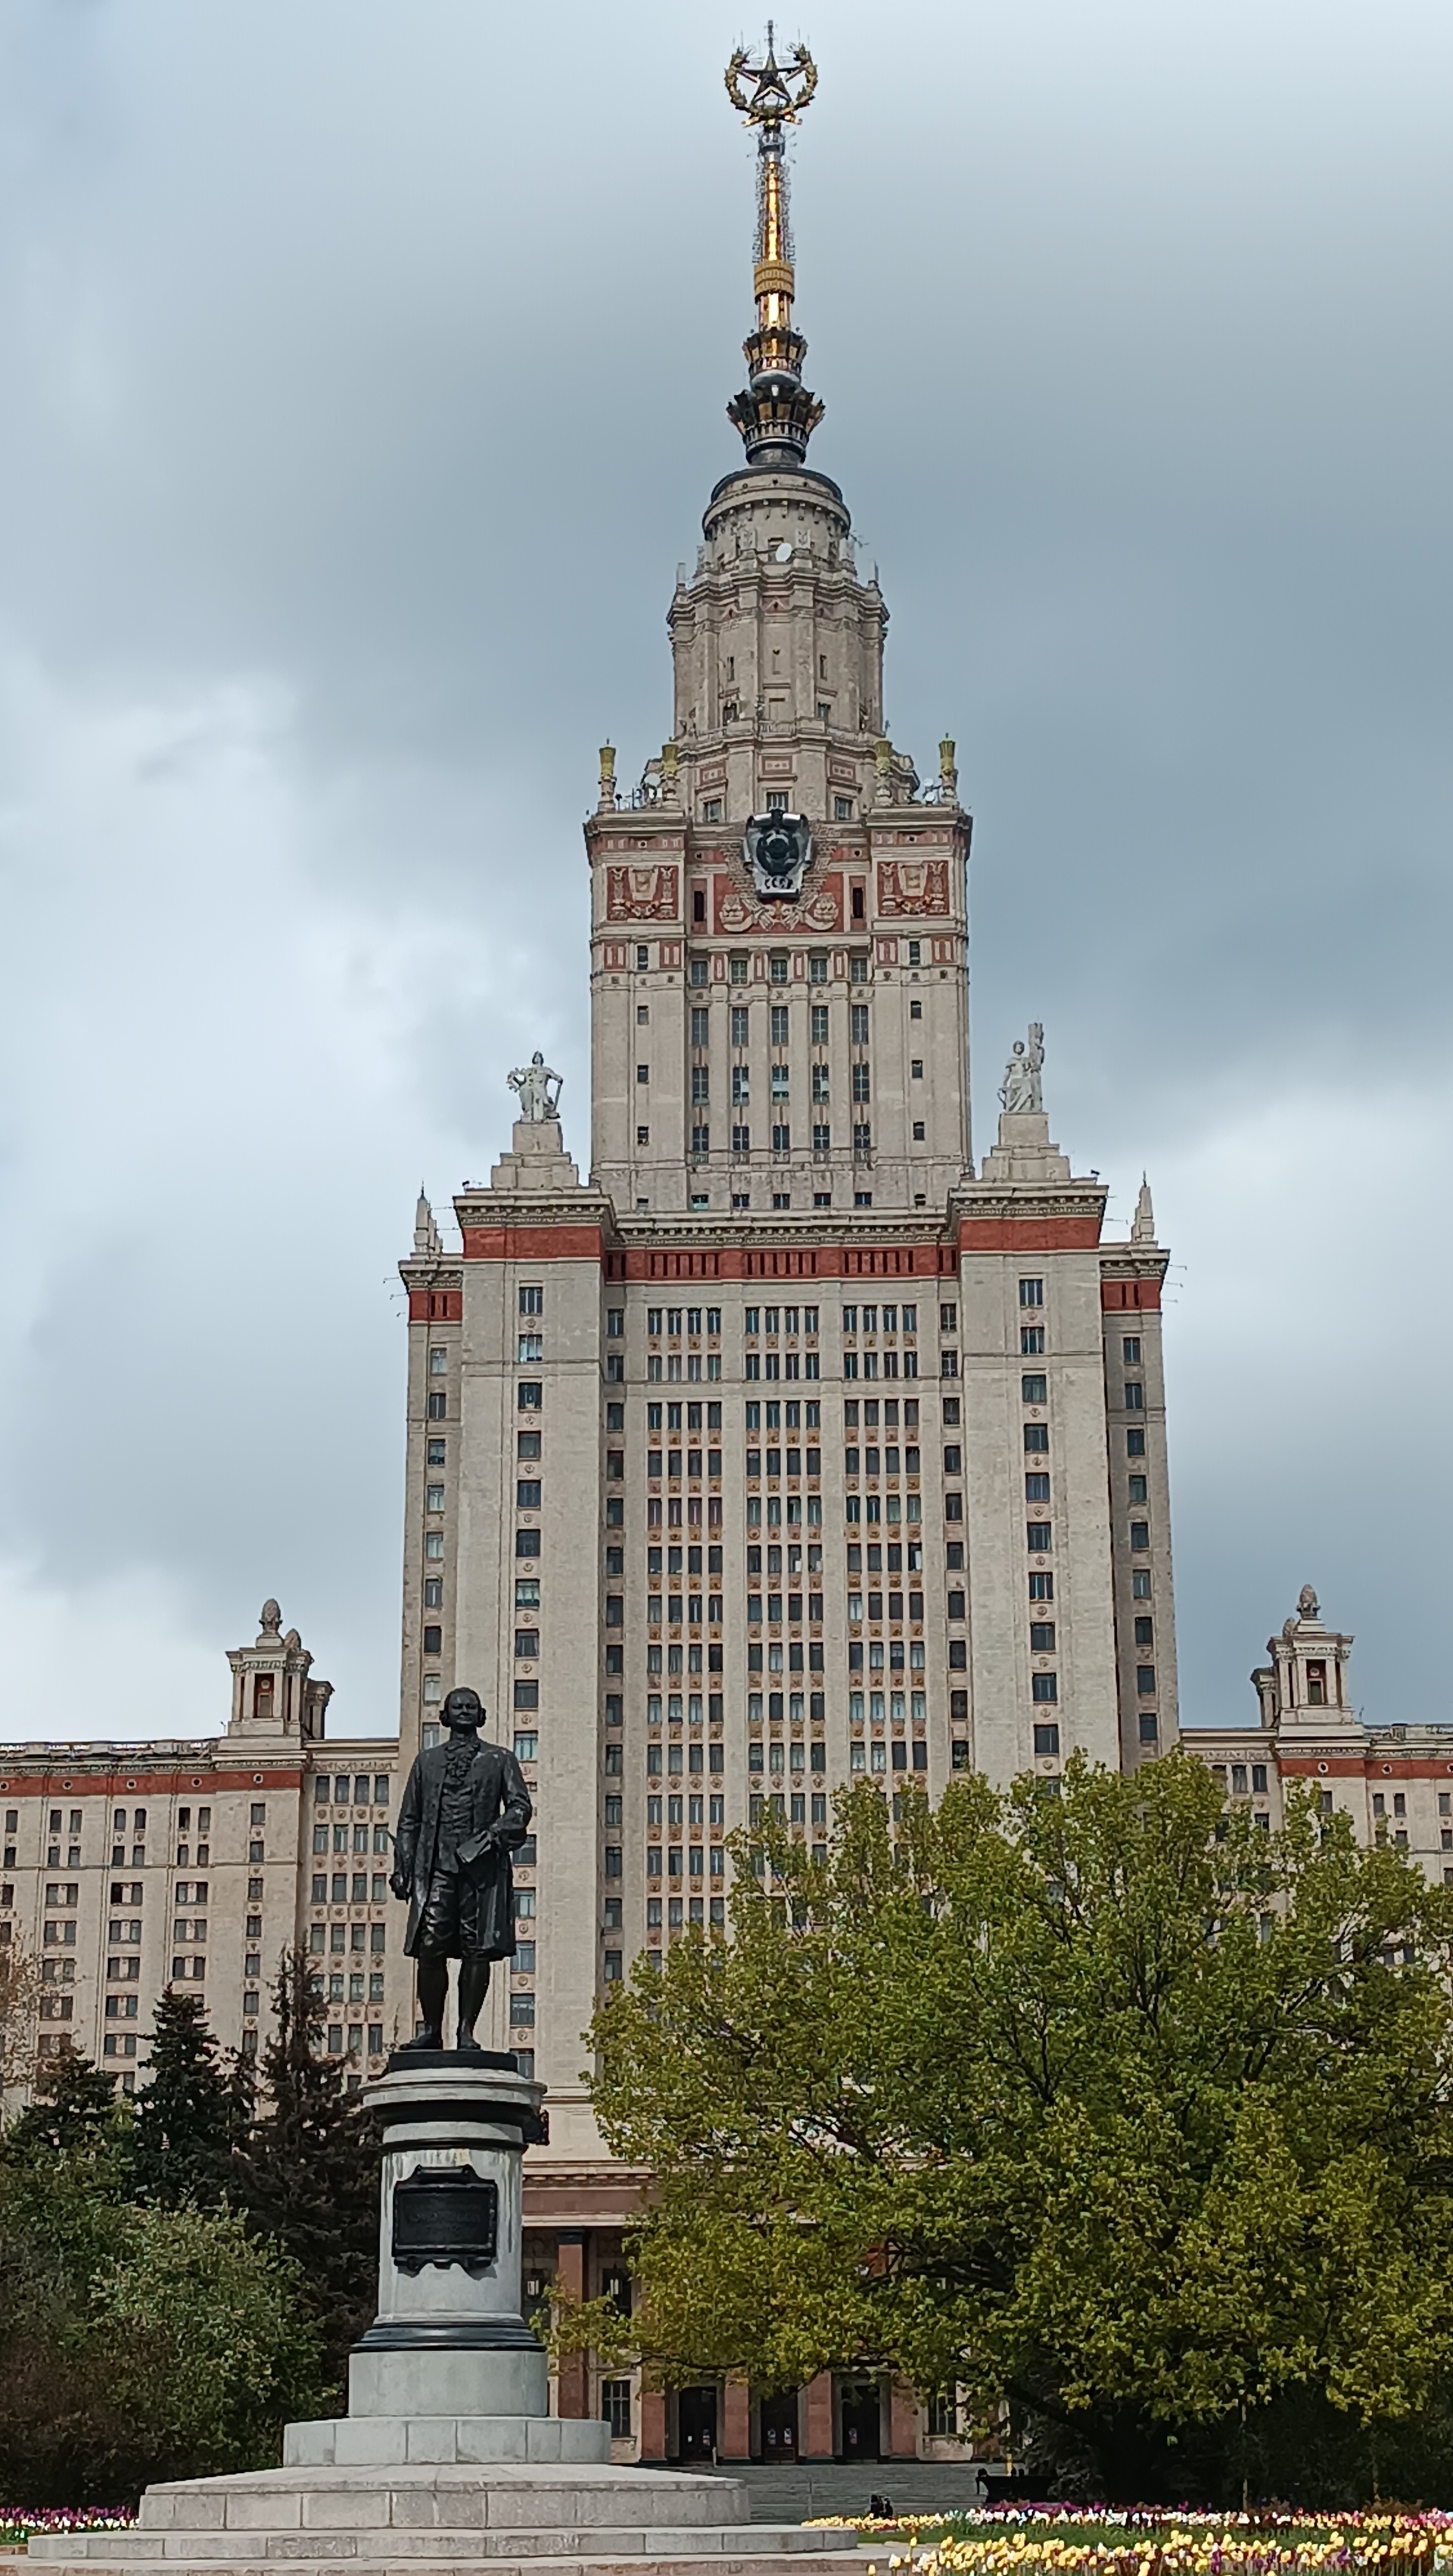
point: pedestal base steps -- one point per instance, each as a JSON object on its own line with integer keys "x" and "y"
{"x": 520, "y": 2514}
{"x": 382, "y": 2441}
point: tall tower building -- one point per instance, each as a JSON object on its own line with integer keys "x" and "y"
{"x": 788, "y": 1446}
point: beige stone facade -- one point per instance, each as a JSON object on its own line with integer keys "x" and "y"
{"x": 1394, "y": 1782}
{"x": 129, "y": 1867}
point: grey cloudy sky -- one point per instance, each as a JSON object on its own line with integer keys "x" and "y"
{"x": 365, "y": 363}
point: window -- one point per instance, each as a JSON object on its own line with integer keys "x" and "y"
{"x": 1145, "y": 1632}
{"x": 861, "y": 1090}
{"x": 1041, "y": 1636}
{"x": 1037, "y": 1538}
{"x": 1034, "y": 1390}
{"x": 1140, "y": 1534}
{"x": 438, "y": 1363}
{"x": 915, "y": 1069}
{"x": 858, "y": 1023}
{"x": 842, "y": 809}
{"x": 615, "y": 2406}
{"x": 1046, "y": 1739}
{"x": 1134, "y": 1396}
{"x": 1031, "y": 1340}
{"x": 1130, "y": 1350}
{"x": 532, "y": 1301}
{"x": 1031, "y": 1292}
{"x": 1036, "y": 1439}
{"x": 527, "y": 1542}
{"x": 527, "y": 1493}
{"x": 1045, "y": 1686}
{"x": 779, "y": 1024}
{"x": 1145, "y": 1681}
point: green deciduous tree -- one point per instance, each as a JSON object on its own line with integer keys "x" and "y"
{"x": 1101, "y": 2105}
{"x": 308, "y": 2176}
{"x": 138, "y": 2343}
{"x": 210, "y": 2341}
{"x": 194, "y": 2112}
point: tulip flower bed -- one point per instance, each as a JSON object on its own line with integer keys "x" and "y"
{"x": 17, "y": 2522}
{"x": 1065, "y": 2540}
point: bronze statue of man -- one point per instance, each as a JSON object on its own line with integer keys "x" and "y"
{"x": 464, "y": 1811}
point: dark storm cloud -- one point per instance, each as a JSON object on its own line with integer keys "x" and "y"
{"x": 366, "y": 371}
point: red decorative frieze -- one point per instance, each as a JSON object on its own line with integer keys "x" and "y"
{"x": 95, "y": 1783}
{"x": 1029, "y": 1234}
{"x": 436, "y": 1305}
{"x": 532, "y": 1242}
{"x": 642, "y": 894}
{"x": 912, "y": 889}
{"x": 929, "y": 1260}
{"x": 1120, "y": 1296}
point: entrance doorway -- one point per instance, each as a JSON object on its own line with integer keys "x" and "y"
{"x": 779, "y": 2425}
{"x": 696, "y": 2423}
{"x": 860, "y": 2414}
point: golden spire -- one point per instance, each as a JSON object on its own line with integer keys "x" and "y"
{"x": 775, "y": 415}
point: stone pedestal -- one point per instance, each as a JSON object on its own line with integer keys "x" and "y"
{"x": 449, "y": 2370}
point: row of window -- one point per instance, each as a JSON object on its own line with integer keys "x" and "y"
{"x": 358, "y": 1838}
{"x": 779, "y": 1083}
{"x": 781, "y": 1138}
{"x": 779, "y": 1019}
{"x": 698, "y": 972}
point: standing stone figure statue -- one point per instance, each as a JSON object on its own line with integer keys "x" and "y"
{"x": 1021, "y": 1088}
{"x": 464, "y": 1810}
{"x": 532, "y": 1081}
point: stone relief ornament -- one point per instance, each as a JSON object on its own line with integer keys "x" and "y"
{"x": 736, "y": 912}
{"x": 912, "y": 888}
{"x": 1021, "y": 1088}
{"x": 1308, "y": 1606}
{"x": 640, "y": 894}
{"x": 532, "y": 1081}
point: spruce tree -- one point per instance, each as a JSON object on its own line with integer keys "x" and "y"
{"x": 308, "y": 2176}
{"x": 193, "y": 2114}
{"x": 75, "y": 2112}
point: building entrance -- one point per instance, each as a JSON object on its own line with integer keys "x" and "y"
{"x": 779, "y": 2425}
{"x": 860, "y": 2415}
{"x": 696, "y": 2423}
